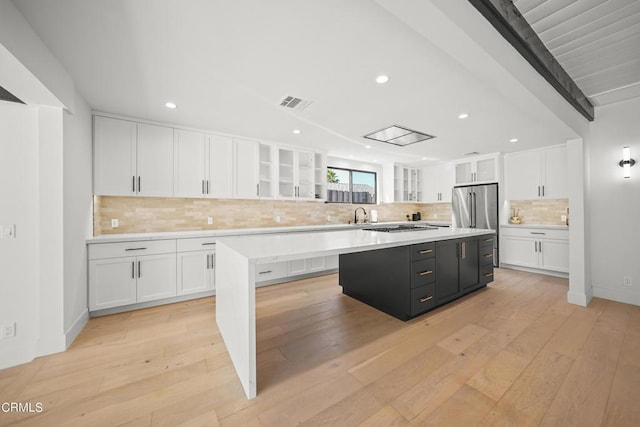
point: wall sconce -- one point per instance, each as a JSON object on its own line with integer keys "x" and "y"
{"x": 626, "y": 162}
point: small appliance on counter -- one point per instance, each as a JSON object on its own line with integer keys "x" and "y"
{"x": 374, "y": 215}
{"x": 416, "y": 216}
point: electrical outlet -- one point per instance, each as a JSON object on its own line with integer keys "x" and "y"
{"x": 328, "y": 217}
{"x": 210, "y": 220}
{"x": 626, "y": 281}
{"x": 8, "y": 330}
{"x": 8, "y": 231}
{"x": 563, "y": 218}
{"x": 278, "y": 218}
{"x": 114, "y": 223}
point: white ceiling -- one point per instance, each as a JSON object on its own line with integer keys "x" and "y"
{"x": 597, "y": 42}
{"x": 227, "y": 64}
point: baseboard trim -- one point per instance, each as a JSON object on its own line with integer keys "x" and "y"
{"x": 18, "y": 355}
{"x": 131, "y": 307}
{"x": 578, "y": 298}
{"x": 618, "y": 295}
{"x": 536, "y": 270}
{"x": 76, "y": 327}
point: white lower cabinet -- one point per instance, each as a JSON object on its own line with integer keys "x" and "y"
{"x": 156, "y": 275}
{"x": 131, "y": 272}
{"x": 536, "y": 248}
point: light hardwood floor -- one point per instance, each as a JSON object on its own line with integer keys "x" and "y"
{"x": 514, "y": 353}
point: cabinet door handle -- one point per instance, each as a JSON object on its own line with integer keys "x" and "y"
{"x": 135, "y": 249}
{"x": 265, "y": 272}
{"x": 488, "y": 275}
{"x": 543, "y": 191}
{"x": 538, "y": 232}
{"x": 424, "y": 273}
{"x": 208, "y": 187}
{"x": 133, "y": 184}
{"x": 139, "y": 269}
{"x": 425, "y": 299}
{"x": 208, "y": 243}
{"x": 133, "y": 270}
{"x": 426, "y": 251}
{"x": 139, "y": 183}
{"x": 488, "y": 255}
{"x": 203, "y": 187}
{"x": 538, "y": 191}
{"x": 207, "y": 261}
{"x": 257, "y": 189}
{"x": 488, "y": 240}
{"x": 535, "y": 245}
{"x": 540, "y": 247}
{"x": 464, "y": 250}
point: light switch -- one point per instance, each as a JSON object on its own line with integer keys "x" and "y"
{"x": 210, "y": 220}
{"x": 114, "y": 223}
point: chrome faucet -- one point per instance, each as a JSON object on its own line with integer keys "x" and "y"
{"x": 355, "y": 214}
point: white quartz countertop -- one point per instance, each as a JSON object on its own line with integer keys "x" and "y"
{"x": 284, "y": 247}
{"x": 132, "y": 237}
{"x": 548, "y": 227}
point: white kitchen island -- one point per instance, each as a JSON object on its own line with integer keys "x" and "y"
{"x": 236, "y": 261}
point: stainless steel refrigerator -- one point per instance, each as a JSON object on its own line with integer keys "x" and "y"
{"x": 476, "y": 206}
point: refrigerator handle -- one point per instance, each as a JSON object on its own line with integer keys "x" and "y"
{"x": 475, "y": 210}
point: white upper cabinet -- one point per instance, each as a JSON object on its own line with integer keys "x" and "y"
{"x": 407, "y": 184}
{"x": 132, "y": 158}
{"x": 477, "y": 170}
{"x": 536, "y": 174}
{"x": 296, "y": 173}
{"x": 437, "y": 182}
{"x": 114, "y": 150}
{"x": 190, "y": 150}
{"x": 220, "y": 167}
{"x": 154, "y": 160}
{"x": 247, "y": 160}
{"x": 321, "y": 176}
{"x": 203, "y": 165}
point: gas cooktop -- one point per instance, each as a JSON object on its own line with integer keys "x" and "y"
{"x": 401, "y": 227}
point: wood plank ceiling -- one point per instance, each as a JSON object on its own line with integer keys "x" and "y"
{"x": 597, "y": 42}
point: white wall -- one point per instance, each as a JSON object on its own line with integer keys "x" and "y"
{"x": 19, "y": 205}
{"x": 77, "y": 160}
{"x": 614, "y": 202}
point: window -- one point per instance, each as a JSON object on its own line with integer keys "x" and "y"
{"x": 351, "y": 186}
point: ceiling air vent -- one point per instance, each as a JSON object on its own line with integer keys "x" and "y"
{"x": 5, "y": 95}
{"x": 398, "y": 135}
{"x": 294, "y": 103}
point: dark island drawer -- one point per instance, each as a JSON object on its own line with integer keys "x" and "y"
{"x": 486, "y": 241}
{"x": 423, "y": 299}
{"x": 486, "y": 255}
{"x": 423, "y": 272}
{"x": 423, "y": 251}
{"x": 486, "y": 274}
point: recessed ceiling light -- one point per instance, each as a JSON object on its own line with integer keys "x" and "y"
{"x": 382, "y": 79}
{"x": 463, "y": 116}
{"x": 513, "y": 140}
{"x": 171, "y": 105}
{"x": 375, "y": 160}
{"x": 367, "y": 146}
{"x": 425, "y": 158}
{"x": 351, "y": 156}
{"x": 296, "y": 131}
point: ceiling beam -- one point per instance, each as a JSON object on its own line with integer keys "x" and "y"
{"x": 510, "y": 23}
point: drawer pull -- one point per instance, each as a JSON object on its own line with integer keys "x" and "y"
{"x": 537, "y": 232}
{"x": 135, "y": 249}
{"x": 424, "y": 273}
{"x": 425, "y": 299}
{"x": 488, "y": 255}
{"x": 488, "y": 274}
{"x": 426, "y": 251}
{"x": 208, "y": 243}
{"x": 488, "y": 240}
{"x": 265, "y": 272}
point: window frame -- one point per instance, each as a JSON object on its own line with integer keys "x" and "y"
{"x": 375, "y": 185}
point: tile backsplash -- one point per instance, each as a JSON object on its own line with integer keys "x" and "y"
{"x": 157, "y": 214}
{"x": 543, "y": 212}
